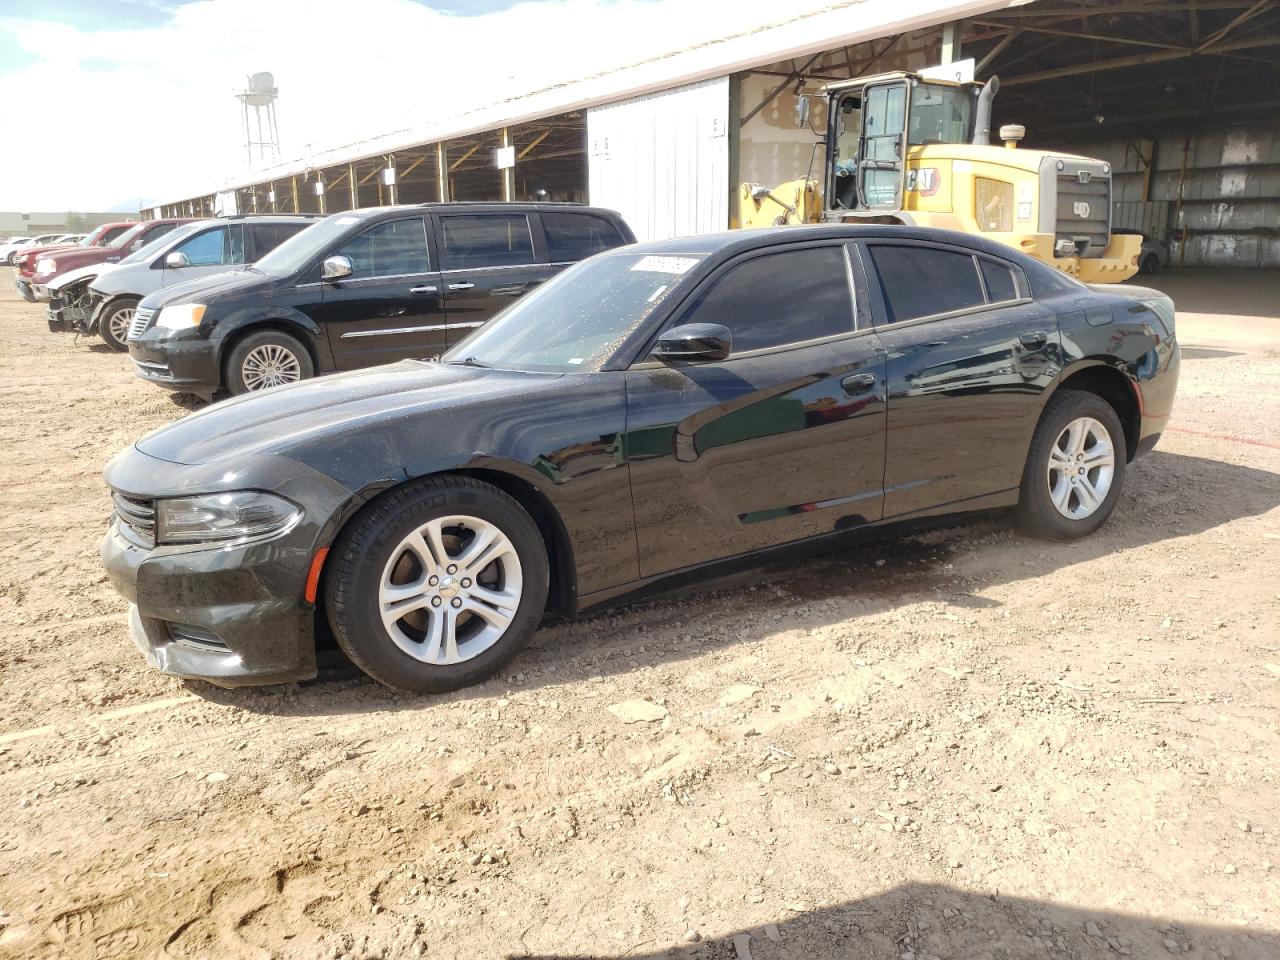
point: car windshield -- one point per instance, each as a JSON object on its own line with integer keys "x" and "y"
{"x": 578, "y": 320}
{"x": 296, "y": 252}
{"x": 152, "y": 247}
{"x": 126, "y": 238}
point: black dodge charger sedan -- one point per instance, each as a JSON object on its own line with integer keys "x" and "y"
{"x": 652, "y": 412}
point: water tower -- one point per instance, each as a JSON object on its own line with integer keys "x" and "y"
{"x": 260, "y": 95}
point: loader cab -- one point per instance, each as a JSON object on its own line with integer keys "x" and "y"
{"x": 874, "y": 124}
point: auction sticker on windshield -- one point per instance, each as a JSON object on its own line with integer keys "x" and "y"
{"x": 675, "y": 265}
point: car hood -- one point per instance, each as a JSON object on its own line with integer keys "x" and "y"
{"x": 71, "y": 257}
{"x": 206, "y": 289}
{"x": 327, "y": 409}
{"x": 81, "y": 273}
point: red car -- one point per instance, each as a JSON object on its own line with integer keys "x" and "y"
{"x": 37, "y": 267}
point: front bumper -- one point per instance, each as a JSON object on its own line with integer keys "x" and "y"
{"x": 24, "y": 289}
{"x": 63, "y": 317}
{"x": 184, "y": 365}
{"x": 232, "y": 614}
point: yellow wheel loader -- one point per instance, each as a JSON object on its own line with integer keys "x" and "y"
{"x": 904, "y": 148}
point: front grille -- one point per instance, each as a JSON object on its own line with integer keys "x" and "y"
{"x": 1084, "y": 212}
{"x": 993, "y": 205}
{"x": 138, "y": 515}
{"x": 142, "y": 318}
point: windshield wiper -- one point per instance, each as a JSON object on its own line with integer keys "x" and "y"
{"x": 469, "y": 362}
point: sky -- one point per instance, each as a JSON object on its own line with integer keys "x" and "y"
{"x": 103, "y": 102}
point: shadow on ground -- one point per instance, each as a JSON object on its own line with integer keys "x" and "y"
{"x": 925, "y": 921}
{"x": 1167, "y": 496}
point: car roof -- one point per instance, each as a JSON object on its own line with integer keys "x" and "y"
{"x": 479, "y": 206}
{"x": 736, "y": 241}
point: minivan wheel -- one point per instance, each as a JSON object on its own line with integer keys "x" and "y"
{"x": 1075, "y": 468}
{"x": 437, "y": 584}
{"x": 113, "y": 326}
{"x": 265, "y": 359}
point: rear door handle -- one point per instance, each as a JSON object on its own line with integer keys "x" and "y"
{"x": 461, "y": 286}
{"x": 858, "y": 383}
{"x": 1034, "y": 340}
{"x": 430, "y": 288}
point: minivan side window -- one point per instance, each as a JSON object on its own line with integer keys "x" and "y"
{"x": 470, "y": 241}
{"x": 779, "y": 298}
{"x": 576, "y": 236}
{"x": 212, "y": 248}
{"x": 395, "y": 248}
{"x": 268, "y": 236}
{"x": 923, "y": 281}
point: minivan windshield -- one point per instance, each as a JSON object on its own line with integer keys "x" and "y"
{"x": 578, "y": 320}
{"x": 296, "y": 252}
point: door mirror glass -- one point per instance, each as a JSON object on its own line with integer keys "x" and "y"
{"x": 695, "y": 341}
{"x": 177, "y": 260}
{"x": 335, "y": 268}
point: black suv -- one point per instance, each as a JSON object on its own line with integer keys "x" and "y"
{"x": 358, "y": 289}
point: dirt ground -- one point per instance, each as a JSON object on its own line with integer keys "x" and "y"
{"x": 963, "y": 744}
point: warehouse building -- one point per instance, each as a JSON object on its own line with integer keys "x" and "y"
{"x": 1180, "y": 97}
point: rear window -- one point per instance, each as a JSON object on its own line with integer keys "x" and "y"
{"x": 923, "y": 281}
{"x": 471, "y": 241}
{"x": 576, "y": 236}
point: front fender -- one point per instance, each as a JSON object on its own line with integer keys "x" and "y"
{"x": 277, "y": 316}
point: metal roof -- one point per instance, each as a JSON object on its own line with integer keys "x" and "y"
{"x": 841, "y": 23}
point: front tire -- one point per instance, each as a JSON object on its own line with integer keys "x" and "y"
{"x": 113, "y": 327}
{"x": 1075, "y": 468}
{"x": 267, "y": 358}
{"x": 1149, "y": 264}
{"x": 437, "y": 585}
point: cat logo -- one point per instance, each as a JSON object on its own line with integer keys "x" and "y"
{"x": 1081, "y": 209}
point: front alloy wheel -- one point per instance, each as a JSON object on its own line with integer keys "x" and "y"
{"x": 264, "y": 359}
{"x": 115, "y": 323}
{"x": 436, "y": 584}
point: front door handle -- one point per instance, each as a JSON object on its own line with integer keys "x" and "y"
{"x": 858, "y": 383}
{"x": 1034, "y": 341}
{"x": 429, "y": 288}
{"x": 461, "y": 286}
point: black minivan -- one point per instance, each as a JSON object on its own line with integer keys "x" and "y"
{"x": 360, "y": 288}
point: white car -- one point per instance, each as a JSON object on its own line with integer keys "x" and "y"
{"x": 12, "y": 246}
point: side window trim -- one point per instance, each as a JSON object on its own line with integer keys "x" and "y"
{"x": 681, "y": 310}
{"x": 876, "y": 289}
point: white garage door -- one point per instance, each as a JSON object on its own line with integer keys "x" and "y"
{"x": 662, "y": 160}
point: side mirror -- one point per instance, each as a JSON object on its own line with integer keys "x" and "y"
{"x": 802, "y": 110}
{"x": 335, "y": 268}
{"x": 694, "y": 341}
{"x": 177, "y": 260}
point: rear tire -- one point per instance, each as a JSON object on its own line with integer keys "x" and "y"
{"x": 113, "y": 326}
{"x": 1149, "y": 264}
{"x": 437, "y": 585}
{"x": 1075, "y": 467}
{"x": 267, "y": 358}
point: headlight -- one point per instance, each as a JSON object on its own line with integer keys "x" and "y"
{"x": 244, "y": 514}
{"x": 45, "y": 265}
{"x": 182, "y": 317}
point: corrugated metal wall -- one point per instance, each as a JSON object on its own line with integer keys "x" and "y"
{"x": 662, "y": 161}
{"x": 1230, "y": 193}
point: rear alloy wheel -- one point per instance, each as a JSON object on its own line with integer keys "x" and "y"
{"x": 1075, "y": 468}
{"x": 267, "y": 359}
{"x": 437, "y": 584}
{"x": 115, "y": 322}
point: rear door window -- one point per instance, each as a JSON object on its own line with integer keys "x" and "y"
{"x": 576, "y": 236}
{"x": 998, "y": 280}
{"x": 395, "y": 248}
{"x": 473, "y": 241}
{"x": 923, "y": 281}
